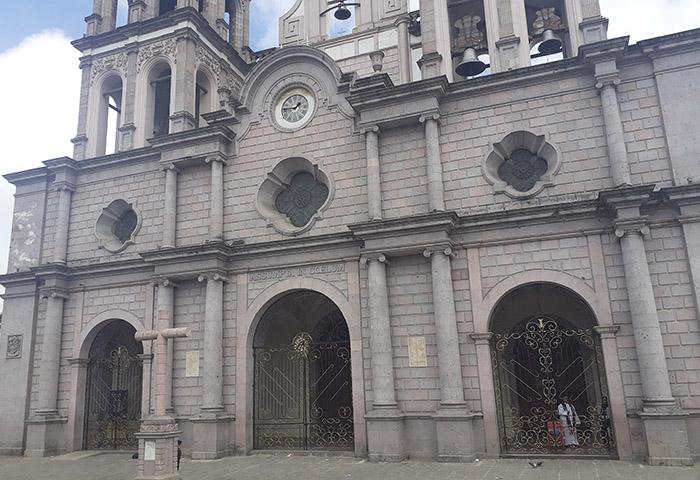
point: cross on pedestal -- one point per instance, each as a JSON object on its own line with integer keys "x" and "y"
{"x": 158, "y": 435}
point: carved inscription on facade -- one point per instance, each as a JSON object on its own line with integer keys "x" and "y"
{"x": 14, "y": 346}
{"x": 417, "y": 355}
{"x": 306, "y": 271}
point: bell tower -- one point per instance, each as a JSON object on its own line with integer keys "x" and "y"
{"x": 172, "y": 62}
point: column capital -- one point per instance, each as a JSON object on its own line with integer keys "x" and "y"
{"x": 218, "y": 158}
{"x": 610, "y": 79}
{"x": 445, "y": 250}
{"x": 403, "y": 18}
{"x": 78, "y": 362}
{"x": 432, "y": 115}
{"x": 53, "y": 292}
{"x": 215, "y": 276}
{"x": 163, "y": 282}
{"x": 636, "y": 225}
{"x": 607, "y": 331}
{"x": 481, "y": 338}
{"x": 64, "y": 186}
{"x": 170, "y": 167}
{"x": 373, "y": 257}
{"x": 370, "y": 129}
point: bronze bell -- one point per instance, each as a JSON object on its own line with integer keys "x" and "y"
{"x": 551, "y": 43}
{"x": 342, "y": 12}
{"x": 470, "y": 65}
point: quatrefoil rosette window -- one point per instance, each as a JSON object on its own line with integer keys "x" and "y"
{"x": 294, "y": 195}
{"x": 117, "y": 226}
{"x": 522, "y": 165}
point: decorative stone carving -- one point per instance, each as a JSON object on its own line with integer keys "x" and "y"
{"x": 293, "y": 196}
{"x": 202, "y": 56}
{"x": 522, "y": 165}
{"x": 117, "y": 226}
{"x": 116, "y": 62}
{"x": 14, "y": 346}
{"x": 165, "y": 48}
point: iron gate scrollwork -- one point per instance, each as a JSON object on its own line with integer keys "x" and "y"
{"x": 113, "y": 401}
{"x": 303, "y": 394}
{"x": 534, "y": 366}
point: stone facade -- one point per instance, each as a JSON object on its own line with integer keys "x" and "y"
{"x": 414, "y": 238}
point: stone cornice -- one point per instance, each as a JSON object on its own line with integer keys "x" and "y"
{"x": 625, "y": 197}
{"x": 139, "y": 29}
{"x": 211, "y": 141}
{"x": 670, "y": 44}
{"x": 440, "y": 221}
{"x": 34, "y": 175}
{"x": 606, "y": 50}
{"x": 682, "y": 194}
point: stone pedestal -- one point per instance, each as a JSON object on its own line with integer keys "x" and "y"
{"x": 211, "y": 436}
{"x": 666, "y": 437}
{"x": 158, "y": 449}
{"x": 45, "y": 436}
{"x": 385, "y": 435}
{"x": 455, "y": 435}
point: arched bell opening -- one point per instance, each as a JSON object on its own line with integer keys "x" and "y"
{"x": 545, "y": 348}
{"x": 302, "y": 376}
{"x": 113, "y": 389}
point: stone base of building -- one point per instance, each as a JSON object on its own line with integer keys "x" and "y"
{"x": 666, "y": 437}
{"x": 158, "y": 449}
{"x": 211, "y": 436}
{"x": 385, "y": 435}
{"x": 45, "y": 436}
{"x": 455, "y": 434}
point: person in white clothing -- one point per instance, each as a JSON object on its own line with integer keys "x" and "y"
{"x": 569, "y": 420}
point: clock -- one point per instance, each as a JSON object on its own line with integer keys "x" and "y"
{"x": 294, "y": 108}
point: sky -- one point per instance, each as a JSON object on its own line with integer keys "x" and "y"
{"x": 40, "y": 79}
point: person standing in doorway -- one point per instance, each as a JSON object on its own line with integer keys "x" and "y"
{"x": 569, "y": 420}
{"x": 179, "y": 453}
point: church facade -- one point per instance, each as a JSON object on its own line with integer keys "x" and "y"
{"x": 412, "y": 237}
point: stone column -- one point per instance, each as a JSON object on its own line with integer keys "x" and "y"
{"x": 384, "y": 422}
{"x": 212, "y": 398}
{"x": 404, "y": 48}
{"x": 80, "y": 140}
{"x": 126, "y": 131}
{"x": 507, "y": 34}
{"x": 374, "y": 187}
{"x": 216, "y": 213}
{"x": 487, "y": 389}
{"x": 617, "y": 150}
{"x": 170, "y": 207}
{"x": 436, "y": 187}
{"x": 453, "y": 423}
{"x": 137, "y": 11}
{"x": 437, "y": 44}
{"x": 49, "y": 367}
{"x": 663, "y": 423}
{"x": 164, "y": 348}
{"x": 60, "y": 248}
{"x": 146, "y": 382}
{"x": 182, "y": 118}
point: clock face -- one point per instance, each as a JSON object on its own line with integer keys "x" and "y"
{"x": 294, "y": 108}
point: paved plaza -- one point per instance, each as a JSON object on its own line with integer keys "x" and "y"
{"x": 120, "y": 466}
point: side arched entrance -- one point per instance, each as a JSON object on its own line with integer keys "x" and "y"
{"x": 113, "y": 389}
{"x": 302, "y": 376}
{"x": 545, "y": 348}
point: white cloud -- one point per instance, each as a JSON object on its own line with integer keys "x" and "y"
{"x": 39, "y": 90}
{"x": 266, "y": 14}
{"x": 644, "y": 19}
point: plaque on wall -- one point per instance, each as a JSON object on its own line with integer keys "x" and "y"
{"x": 417, "y": 356}
{"x": 14, "y": 346}
{"x": 192, "y": 363}
{"x": 149, "y": 450}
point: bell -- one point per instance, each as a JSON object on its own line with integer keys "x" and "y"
{"x": 550, "y": 43}
{"x": 470, "y": 65}
{"x": 342, "y": 13}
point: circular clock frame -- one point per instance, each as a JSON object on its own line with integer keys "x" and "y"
{"x": 294, "y": 108}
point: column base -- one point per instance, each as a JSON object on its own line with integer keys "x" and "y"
{"x": 455, "y": 434}
{"x": 45, "y": 436}
{"x": 385, "y": 435}
{"x": 211, "y": 435}
{"x": 158, "y": 449}
{"x": 666, "y": 437}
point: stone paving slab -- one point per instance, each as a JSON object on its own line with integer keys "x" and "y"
{"x": 112, "y": 466}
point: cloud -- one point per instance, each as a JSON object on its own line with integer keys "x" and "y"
{"x": 39, "y": 91}
{"x": 265, "y": 20}
{"x": 649, "y": 18}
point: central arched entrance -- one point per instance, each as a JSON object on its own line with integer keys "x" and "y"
{"x": 544, "y": 349}
{"x": 113, "y": 389}
{"x": 302, "y": 376}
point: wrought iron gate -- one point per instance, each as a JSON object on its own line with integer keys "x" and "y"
{"x": 113, "y": 401}
{"x": 534, "y": 366}
{"x": 303, "y": 396}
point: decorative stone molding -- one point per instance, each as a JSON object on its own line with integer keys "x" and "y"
{"x": 53, "y": 292}
{"x": 166, "y": 48}
{"x": 117, "y": 226}
{"x": 637, "y": 225}
{"x": 117, "y": 62}
{"x": 378, "y": 257}
{"x": 522, "y": 165}
{"x": 216, "y": 276}
{"x": 202, "y": 56}
{"x": 289, "y": 203}
{"x": 607, "y": 331}
{"x": 14, "y": 346}
{"x": 447, "y": 251}
{"x": 429, "y": 116}
{"x": 481, "y": 338}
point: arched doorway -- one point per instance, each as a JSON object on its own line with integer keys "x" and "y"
{"x": 302, "y": 376}
{"x": 113, "y": 389}
{"x": 545, "y": 348}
